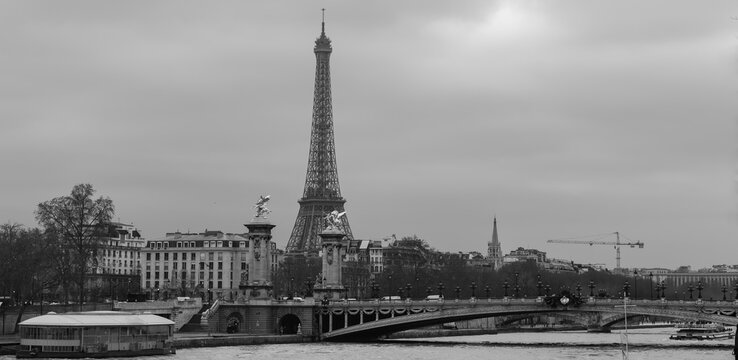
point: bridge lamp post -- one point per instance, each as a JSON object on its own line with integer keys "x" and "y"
{"x": 699, "y": 289}
{"x": 408, "y": 287}
{"x": 650, "y": 279}
{"x": 506, "y": 286}
{"x": 517, "y": 287}
{"x": 539, "y": 284}
{"x": 735, "y": 291}
{"x": 626, "y": 287}
{"x": 458, "y": 291}
{"x": 724, "y": 290}
{"x": 579, "y": 290}
{"x": 663, "y": 290}
{"x": 548, "y": 290}
{"x": 473, "y": 287}
{"x": 591, "y": 287}
{"x": 487, "y": 291}
{"x": 440, "y": 289}
{"x": 691, "y": 290}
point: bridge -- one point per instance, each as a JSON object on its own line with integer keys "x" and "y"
{"x": 366, "y": 320}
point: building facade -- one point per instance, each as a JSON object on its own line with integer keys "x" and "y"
{"x": 210, "y": 264}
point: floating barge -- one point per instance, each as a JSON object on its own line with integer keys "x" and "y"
{"x": 96, "y": 334}
{"x": 702, "y": 332}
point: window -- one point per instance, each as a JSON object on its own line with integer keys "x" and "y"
{"x": 174, "y": 256}
{"x": 148, "y": 275}
{"x": 166, "y": 256}
{"x": 220, "y": 266}
{"x": 156, "y": 276}
{"x": 220, "y": 284}
{"x": 174, "y": 266}
{"x": 186, "y": 244}
{"x": 193, "y": 256}
{"x": 166, "y": 275}
{"x": 192, "y": 244}
{"x": 243, "y": 266}
{"x": 148, "y": 256}
{"x": 210, "y": 256}
{"x": 220, "y": 275}
{"x": 179, "y": 244}
{"x": 242, "y": 245}
{"x": 219, "y": 244}
{"x": 156, "y": 256}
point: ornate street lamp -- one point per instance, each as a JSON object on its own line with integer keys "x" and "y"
{"x": 579, "y": 290}
{"x": 440, "y": 289}
{"x": 548, "y": 290}
{"x": 735, "y": 288}
{"x": 663, "y": 290}
{"x": 517, "y": 288}
{"x": 626, "y": 288}
{"x": 539, "y": 284}
{"x": 650, "y": 279}
{"x": 487, "y": 291}
{"x": 506, "y": 286}
{"x": 473, "y": 287}
{"x": 691, "y": 290}
{"x": 724, "y": 290}
{"x": 699, "y": 289}
{"x": 408, "y": 287}
{"x": 458, "y": 291}
{"x": 591, "y": 287}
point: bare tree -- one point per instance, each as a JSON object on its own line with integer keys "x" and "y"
{"x": 80, "y": 224}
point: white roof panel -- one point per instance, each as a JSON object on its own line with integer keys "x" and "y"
{"x": 97, "y": 318}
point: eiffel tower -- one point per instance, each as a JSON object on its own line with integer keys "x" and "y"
{"x": 322, "y": 193}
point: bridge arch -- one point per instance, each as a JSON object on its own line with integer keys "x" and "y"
{"x": 596, "y": 316}
{"x": 289, "y": 324}
{"x": 233, "y": 322}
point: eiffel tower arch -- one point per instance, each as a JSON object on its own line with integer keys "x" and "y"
{"x": 322, "y": 192}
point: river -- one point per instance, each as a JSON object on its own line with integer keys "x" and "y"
{"x": 650, "y": 344}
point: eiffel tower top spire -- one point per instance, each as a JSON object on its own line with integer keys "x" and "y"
{"x": 322, "y": 193}
{"x": 323, "y": 43}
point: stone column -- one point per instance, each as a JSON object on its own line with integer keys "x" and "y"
{"x": 259, "y": 284}
{"x": 331, "y": 285}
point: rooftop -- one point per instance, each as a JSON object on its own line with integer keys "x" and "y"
{"x": 96, "y": 318}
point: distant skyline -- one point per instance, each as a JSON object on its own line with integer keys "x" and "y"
{"x": 563, "y": 119}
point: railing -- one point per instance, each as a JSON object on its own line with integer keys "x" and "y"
{"x": 213, "y": 309}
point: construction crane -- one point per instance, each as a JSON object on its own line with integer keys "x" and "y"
{"x": 615, "y": 243}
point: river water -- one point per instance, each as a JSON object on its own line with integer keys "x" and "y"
{"x": 650, "y": 344}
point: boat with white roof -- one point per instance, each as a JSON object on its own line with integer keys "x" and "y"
{"x": 95, "y": 334}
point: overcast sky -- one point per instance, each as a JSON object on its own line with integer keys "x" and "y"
{"x": 562, "y": 118}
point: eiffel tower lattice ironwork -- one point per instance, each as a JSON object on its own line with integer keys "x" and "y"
{"x": 322, "y": 193}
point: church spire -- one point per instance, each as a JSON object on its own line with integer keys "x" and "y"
{"x": 494, "y": 251}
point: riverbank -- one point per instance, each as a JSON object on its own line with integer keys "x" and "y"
{"x": 197, "y": 340}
